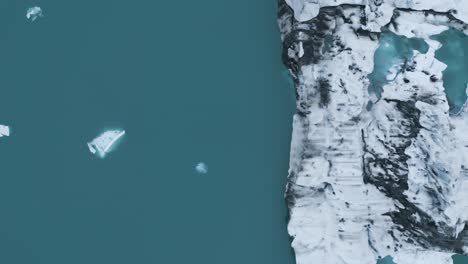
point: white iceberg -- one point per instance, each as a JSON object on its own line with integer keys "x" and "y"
{"x": 104, "y": 142}
{"x": 34, "y": 12}
{"x": 201, "y": 168}
{"x": 4, "y": 131}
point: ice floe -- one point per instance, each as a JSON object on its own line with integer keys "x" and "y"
{"x": 4, "y": 131}
{"x": 104, "y": 143}
{"x": 34, "y": 13}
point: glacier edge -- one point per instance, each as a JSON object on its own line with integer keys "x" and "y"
{"x": 364, "y": 184}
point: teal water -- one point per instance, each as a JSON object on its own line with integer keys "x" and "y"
{"x": 190, "y": 82}
{"x": 393, "y": 51}
{"x": 454, "y": 53}
{"x": 386, "y": 260}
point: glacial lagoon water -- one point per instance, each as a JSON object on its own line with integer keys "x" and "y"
{"x": 454, "y": 53}
{"x": 189, "y": 81}
{"x": 392, "y": 53}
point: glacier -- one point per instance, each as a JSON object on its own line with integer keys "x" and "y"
{"x": 105, "y": 142}
{"x": 387, "y": 180}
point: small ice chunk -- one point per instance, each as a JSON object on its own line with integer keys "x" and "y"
{"x": 4, "y": 131}
{"x": 34, "y": 12}
{"x": 104, "y": 142}
{"x": 201, "y": 168}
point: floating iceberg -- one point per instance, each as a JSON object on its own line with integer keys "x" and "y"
{"x": 201, "y": 168}
{"x": 104, "y": 142}
{"x": 34, "y": 12}
{"x": 4, "y": 131}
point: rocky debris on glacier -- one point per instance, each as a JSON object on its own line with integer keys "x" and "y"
{"x": 34, "y": 13}
{"x": 365, "y": 183}
{"x": 105, "y": 142}
{"x": 4, "y": 131}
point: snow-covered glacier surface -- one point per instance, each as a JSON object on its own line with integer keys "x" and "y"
{"x": 373, "y": 176}
{"x": 105, "y": 142}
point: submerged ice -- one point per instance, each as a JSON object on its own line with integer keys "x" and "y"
{"x": 105, "y": 142}
{"x": 201, "y": 168}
